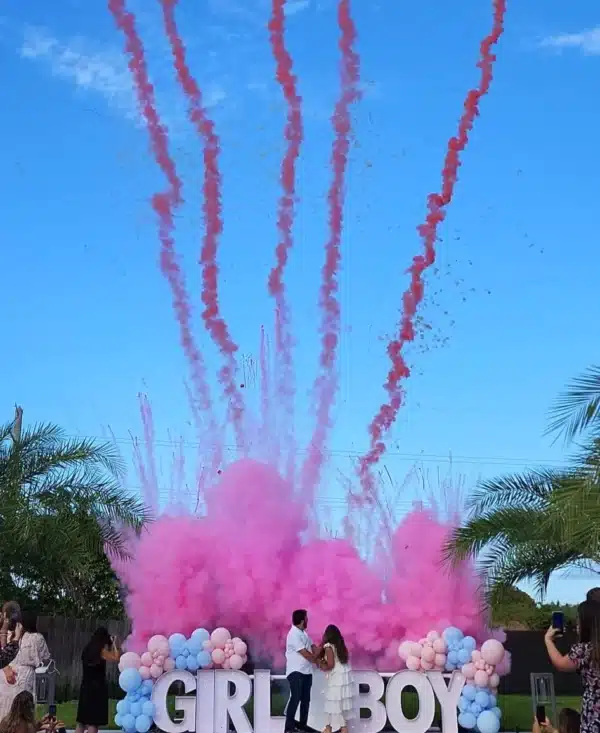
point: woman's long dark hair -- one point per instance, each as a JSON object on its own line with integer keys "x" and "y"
{"x": 21, "y": 716}
{"x": 588, "y": 614}
{"x": 29, "y": 621}
{"x": 92, "y": 654}
{"x": 569, "y": 721}
{"x": 334, "y": 637}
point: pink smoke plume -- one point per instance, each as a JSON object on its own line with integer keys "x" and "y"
{"x": 437, "y": 208}
{"x": 213, "y": 320}
{"x": 326, "y": 383}
{"x": 285, "y": 218}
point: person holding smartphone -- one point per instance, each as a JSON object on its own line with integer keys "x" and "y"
{"x": 92, "y": 711}
{"x": 11, "y": 631}
{"x": 583, "y": 658}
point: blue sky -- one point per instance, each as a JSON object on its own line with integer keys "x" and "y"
{"x": 512, "y": 304}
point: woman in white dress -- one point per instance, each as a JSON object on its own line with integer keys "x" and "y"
{"x": 340, "y": 688}
{"x": 20, "y": 675}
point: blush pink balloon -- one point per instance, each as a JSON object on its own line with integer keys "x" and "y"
{"x": 240, "y": 647}
{"x": 476, "y": 655}
{"x": 427, "y": 666}
{"x": 208, "y": 645}
{"x": 145, "y": 672}
{"x": 220, "y": 637}
{"x": 481, "y": 678}
{"x": 494, "y": 679}
{"x": 236, "y": 662}
{"x": 160, "y": 659}
{"x": 469, "y": 670}
{"x": 480, "y": 665}
{"x": 244, "y": 658}
{"x": 413, "y": 663}
{"x": 228, "y": 653}
{"x": 492, "y": 651}
{"x": 423, "y": 641}
{"x": 226, "y": 664}
{"x": 440, "y": 661}
{"x": 169, "y": 664}
{"x": 428, "y": 654}
{"x": 147, "y": 659}
{"x": 158, "y": 644}
{"x": 218, "y": 656}
{"x": 404, "y": 650}
{"x": 130, "y": 660}
{"x": 440, "y": 646}
{"x": 432, "y": 636}
{"x": 489, "y": 668}
{"x": 155, "y": 671}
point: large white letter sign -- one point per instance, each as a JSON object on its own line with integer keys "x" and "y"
{"x": 160, "y": 694}
{"x": 231, "y": 706}
{"x": 393, "y": 702}
{"x": 448, "y": 697}
{"x": 371, "y": 701}
{"x": 263, "y": 720}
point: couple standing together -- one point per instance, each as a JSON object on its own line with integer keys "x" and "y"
{"x": 331, "y": 656}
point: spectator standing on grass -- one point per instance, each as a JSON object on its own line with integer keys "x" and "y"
{"x": 584, "y": 658}
{"x": 300, "y": 655}
{"x": 10, "y": 640}
{"x": 92, "y": 711}
{"x": 20, "y": 675}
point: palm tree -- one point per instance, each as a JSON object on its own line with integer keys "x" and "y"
{"x": 62, "y": 504}
{"x": 529, "y": 525}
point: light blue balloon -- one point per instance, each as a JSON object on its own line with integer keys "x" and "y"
{"x": 129, "y": 680}
{"x": 493, "y": 702}
{"x": 469, "y": 643}
{"x": 118, "y": 720}
{"x": 463, "y": 656}
{"x": 475, "y": 708}
{"x": 463, "y": 704}
{"x": 181, "y": 662}
{"x": 128, "y": 723}
{"x": 195, "y": 644}
{"x": 136, "y": 709}
{"x": 143, "y": 723}
{"x": 487, "y": 722}
{"x": 176, "y": 644}
{"x": 147, "y": 686}
{"x": 453, "y": 658}
{"x": 185, "y": 652}
{"x": 148, "y": 708}
{"x": 192, "y": 663}
{"x": 449, "y": 667}
{"x": 201, "y": 634}
{"x": 497, "y": 712}
{"x": 452, "y": 634}
{"x": 469, "y": 692}
{"x": 204, "y": 658}
{"x": 123, "y": 707}
{"x": 482, "y": 698}
{"x": 467, "y": 720}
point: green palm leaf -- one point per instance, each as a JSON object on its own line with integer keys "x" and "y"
{"x": 578, "y": 408}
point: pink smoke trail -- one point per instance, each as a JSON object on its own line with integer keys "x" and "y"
{"x": 163, "y": 203}
{"x": 213, "y": 320}
{"x": 436, "y": 213}
{"x": 150, "y": 484}
{"x": 326, "y": 383}
{"x": 285, "y": 215}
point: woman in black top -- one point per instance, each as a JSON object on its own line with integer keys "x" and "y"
{"x": 92, "y": 711}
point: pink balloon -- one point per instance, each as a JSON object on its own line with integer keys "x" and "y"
{"x": 492, "y": 651}
{"x": 218, "y": 656}
{"x": 240, "y": 648}
{"x": 427, "y": 666}
{"x": 228, "y": 653}
{"x": 245, "y": 658}
{"x": 416, "y": 649}
{"x": 236, "y": 662}
{"x": 160, "y": 660}
{"x": 494, "y": 679}
{"x": 155, "y": 671}
{"x": 404, "y": 650}
{"x": 145, "y": 672}
{"x": 147, "y": 659}
{"x": 130, "y": 660}
{"x": 423, "y": 641}
{"x": 475, "y": 655}
{"x": 220, "y": 637}
{"x": 440, "y": 661}
{"x": 159, "y": 644}
{"x": 169, "y": 664}
{"x": 226, "y": 664}
{"x": 440, "y": 646}
{"x": 480, "y": 665}
{"x": 432, "y": 636}
{"x": 428, "y": 655}
{"x": 469, "y": 670}
{"x": 208, "y": 645}
{"x": 489, "y": 668}
{"x": 413, "y": 663}
{"x": 481, "y": 678}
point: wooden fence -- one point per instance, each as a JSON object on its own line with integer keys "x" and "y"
{"x": 66, "y": 638}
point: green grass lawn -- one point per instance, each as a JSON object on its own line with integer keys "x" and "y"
{"x": 517, "y": 711}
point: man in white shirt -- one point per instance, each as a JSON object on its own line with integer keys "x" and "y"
{"x": 300, "y": 655}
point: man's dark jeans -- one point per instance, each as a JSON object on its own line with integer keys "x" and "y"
{"x": 300, "y": 686}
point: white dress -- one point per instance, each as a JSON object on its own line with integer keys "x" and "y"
{"x": 340, "y": 694}
{"x": 32, "y": 653}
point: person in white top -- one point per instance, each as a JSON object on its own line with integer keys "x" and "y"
{"x": 300, "y": 655}
{"x": 340, "y": 690}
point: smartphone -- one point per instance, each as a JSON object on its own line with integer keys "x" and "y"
{"x": 52, "y": 712}
{"x": 540, "y": 714}
{"x": 558, "y": 621}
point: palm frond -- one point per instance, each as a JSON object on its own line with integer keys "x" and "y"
{"x": 526, "y": 490}
{"x": 578, "y": 407}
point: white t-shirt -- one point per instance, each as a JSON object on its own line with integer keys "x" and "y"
{"x": 296, "y": 641}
